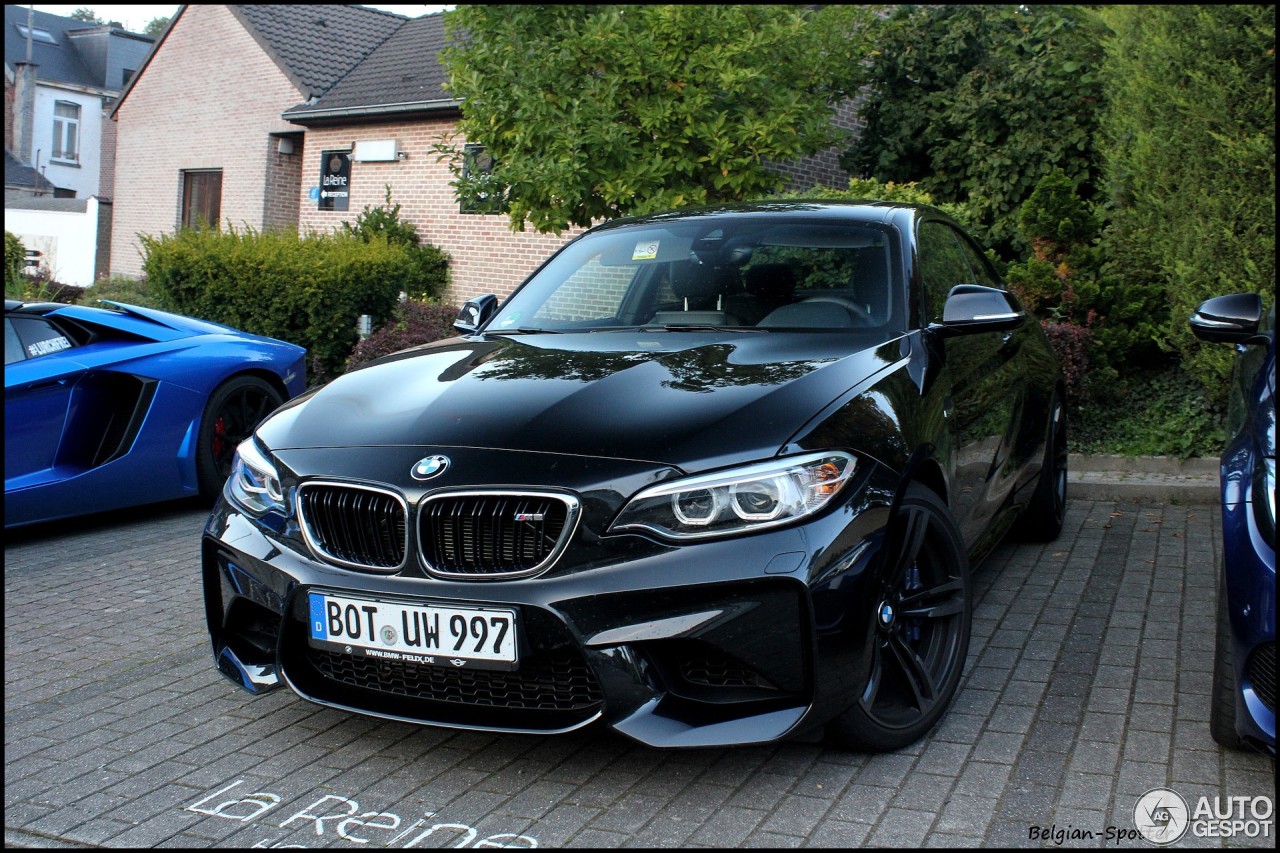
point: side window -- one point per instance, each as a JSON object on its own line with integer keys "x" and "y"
{"x": 66, "y": 131}
{"x": 12, "y": 346}
{"x": 202, "y": 198}
{"x": 943, "y": 265}
{"x": 37, "y": 337}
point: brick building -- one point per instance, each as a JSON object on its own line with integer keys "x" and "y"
{"x": 240, "y": 110}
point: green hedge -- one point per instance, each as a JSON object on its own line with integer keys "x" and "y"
{"x": 309, "y": 290}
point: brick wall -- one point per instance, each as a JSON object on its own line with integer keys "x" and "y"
{"x": 823, "y": 169}
{"x": 107, "y": 164}
{"x": 486, "y": 256}
{"x": 283, "y": 178}
{"x": 208, "y": 100}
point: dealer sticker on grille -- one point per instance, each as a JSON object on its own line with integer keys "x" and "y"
{"x": 426, "y": 634}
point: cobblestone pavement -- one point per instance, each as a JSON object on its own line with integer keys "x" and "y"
{"x": 1087, "y": 685}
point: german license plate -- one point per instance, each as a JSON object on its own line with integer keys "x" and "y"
{"x": 425, "y": 633}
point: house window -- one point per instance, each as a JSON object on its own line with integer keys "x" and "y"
{"x": 202, "y": 198}
{"x": 66, "y": 131}
{"x": 477, "y": 164}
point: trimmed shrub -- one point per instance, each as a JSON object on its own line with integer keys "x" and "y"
{"x": 1189, "y": 145}
{"x": 429, "y": 271}
{"x": 412, "y": 323}
{"x": 14, "y": 256}
{"x": 122, "y": 288}
{"x": 1071, "y": 343}
{"x": 308, "y": 290}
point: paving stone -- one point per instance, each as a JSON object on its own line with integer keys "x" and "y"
{"x": 1087, "y": 684}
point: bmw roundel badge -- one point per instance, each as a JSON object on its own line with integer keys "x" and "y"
{"x": 432, "y": 466}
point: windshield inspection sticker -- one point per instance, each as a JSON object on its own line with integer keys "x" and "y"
{"x": 645, "y": 251}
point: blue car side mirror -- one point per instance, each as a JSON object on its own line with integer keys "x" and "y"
{"x": 1231, "y": 319}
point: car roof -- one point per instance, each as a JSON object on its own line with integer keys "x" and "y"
{"x": 831, "y": 209}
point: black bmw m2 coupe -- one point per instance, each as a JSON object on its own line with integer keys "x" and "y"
{"x": 708, "y": 477}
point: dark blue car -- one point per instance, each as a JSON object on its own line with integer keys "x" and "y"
{"x": 1243, "y": 709}
{"x": 107, "y": 408}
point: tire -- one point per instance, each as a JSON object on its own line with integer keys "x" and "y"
{"x": 1042, "y": 519}
{"x": 234, "y": 408}
{"x": 1222, "y": 701}
{"x": 919, "y": 630}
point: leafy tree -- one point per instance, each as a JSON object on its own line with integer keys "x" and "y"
{"x": 977, "y": 103}
{"x": 592, "y": 112}
{"x": 1190, "y": 158}
{"x": 84, "y": 13}
{"x": 155, "y": 26}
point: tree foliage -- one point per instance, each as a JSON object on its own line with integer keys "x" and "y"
{"x": 597, "y": 111}
{"x": 977, "y": 103}
{"x": 1190, "y": 157}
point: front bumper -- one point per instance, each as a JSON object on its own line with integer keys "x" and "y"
{"x": 743, "y": 640}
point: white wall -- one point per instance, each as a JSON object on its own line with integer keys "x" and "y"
{"x": 68, "y": 241}
{"x": 83, "y": 177}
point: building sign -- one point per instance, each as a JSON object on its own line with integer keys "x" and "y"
{"x": 335, "y": 180}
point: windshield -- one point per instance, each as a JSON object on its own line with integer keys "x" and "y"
{"x": 736, "y": 273}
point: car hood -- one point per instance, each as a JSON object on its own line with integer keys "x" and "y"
{"x": 693, "y": 400}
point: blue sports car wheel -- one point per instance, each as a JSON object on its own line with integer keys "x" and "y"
{"x": 233, "y": 410}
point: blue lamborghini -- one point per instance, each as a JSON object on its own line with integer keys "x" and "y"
{"x": 113, "y": 407}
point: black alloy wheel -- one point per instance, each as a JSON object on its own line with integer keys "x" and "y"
{"x": 920, "y": 630}
{"x": 1043, "y": 517}
{"x": 234, "y": 409}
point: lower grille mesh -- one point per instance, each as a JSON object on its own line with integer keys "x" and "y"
{"x": 1262, "y": 672}
{"x": 559, "y": 681}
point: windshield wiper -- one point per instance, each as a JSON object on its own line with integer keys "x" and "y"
{"x": 522, "y": 330}
{"x": 679, "y": 327}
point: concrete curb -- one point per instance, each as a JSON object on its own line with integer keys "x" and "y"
{"x": 1161, "y": 479}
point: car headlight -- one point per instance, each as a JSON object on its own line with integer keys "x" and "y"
{"x": 254, "y": 483}
{"x": 740, "y": 500}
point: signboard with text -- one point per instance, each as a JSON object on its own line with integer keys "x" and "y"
{"x": 335, "y": 180}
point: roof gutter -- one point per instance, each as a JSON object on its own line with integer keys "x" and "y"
{"x": 307, "y": 115}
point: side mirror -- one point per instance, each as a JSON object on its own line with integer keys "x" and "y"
{"x": 972, "y": 308}
{"x": 1231, "y": 319}
{"x": 475, "y": 314}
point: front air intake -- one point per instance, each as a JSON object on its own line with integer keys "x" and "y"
{"x": 494, "y": 535}
{"x": 357, "y": 527}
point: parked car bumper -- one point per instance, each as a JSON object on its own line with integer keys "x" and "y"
{"x": 742, "y": 640}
